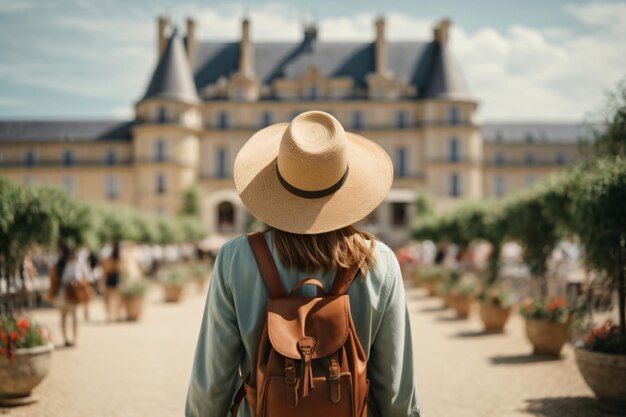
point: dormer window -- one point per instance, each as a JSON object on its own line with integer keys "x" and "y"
{"x": 402, "y": 119}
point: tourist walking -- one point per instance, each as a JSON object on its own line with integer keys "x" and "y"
{"x": 111, "y": 268}
{"x": 72, "y": 272}
{"x": 348, "y": 339}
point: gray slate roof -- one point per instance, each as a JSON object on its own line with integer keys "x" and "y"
{"x": 58, "y": 131}
{"x": 427, "y": 65}
{"x": 563, "y": 133}
{"x": 172, "y": 78}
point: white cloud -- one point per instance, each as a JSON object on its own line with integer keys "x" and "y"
{"x": 123, "y": 112}
{"x": 98, "y": 51}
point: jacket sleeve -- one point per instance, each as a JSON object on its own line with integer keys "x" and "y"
{"x": 214, "y": 377}
{"x": 390, "y": 365}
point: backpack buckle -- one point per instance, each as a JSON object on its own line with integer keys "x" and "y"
{"x": 290, "y": 371}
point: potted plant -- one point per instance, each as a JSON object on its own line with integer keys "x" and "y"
{"x": 495, "y": 309}
{"x": 600, "y": 223}
{"x": 446, "y": 287}
{"x": 461, "y": 298}
{"x": 200, "y": 273}
{"x": 601, "y": 360}
{"x": 548, "y": 324}
{"x": 429, "y": 277}
{"x": 132, "y": 299}
{"x": 25, "y": 356}
{"x": 173, "y": 281}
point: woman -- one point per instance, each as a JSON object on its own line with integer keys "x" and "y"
{"x": 71, "y": 269}
{"x": 111, "y": 273}
{"x": 309, "y": 181}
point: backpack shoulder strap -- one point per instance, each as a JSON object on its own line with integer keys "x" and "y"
{"x": 266, "y": 264}
{"x": 343, "y": 279}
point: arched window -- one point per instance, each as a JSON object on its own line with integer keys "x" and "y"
{"x": 225, "y": 217}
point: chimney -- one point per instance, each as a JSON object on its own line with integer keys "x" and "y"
{"x": 381, "y": 47}
{"x": 440, "y": 33}
{"x": 164, "y": 22}
{"x": 191, "y": 42}
{"x": 245, "y": 50}
{"x": 310, "y": 32}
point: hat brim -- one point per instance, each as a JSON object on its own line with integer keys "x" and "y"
{"x": 256, "y": 181}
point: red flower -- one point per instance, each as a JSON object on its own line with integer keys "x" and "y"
{"x": 3, "y": 351}
{"x": 23, "y": 324}
{"x": 556, "y": 303}
{"x": 13, "y": 336}
{"x": 3, "y": 337}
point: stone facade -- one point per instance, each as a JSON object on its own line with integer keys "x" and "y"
{"x": 205, "y": 100}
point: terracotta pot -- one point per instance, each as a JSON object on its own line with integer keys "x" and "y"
{"x": 461, "y": 304}
{"x": 19, "y": 377}
{"x": 133, "y": 306}
{"x": 173, "y": 292}
{"x": 494, "y": 318}
{"x": 430, "y": 287}
{"x": 447, "y": 299}
{"x": 547, "y": 337}
{"x": 606, "y": 376}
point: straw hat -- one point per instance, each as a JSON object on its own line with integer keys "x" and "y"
{"x": 310, "y": 176}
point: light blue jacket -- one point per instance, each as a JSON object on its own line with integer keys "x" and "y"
{"x": 235, "y": 310}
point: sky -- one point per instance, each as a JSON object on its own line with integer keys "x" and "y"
{"x": 532, "y": 60}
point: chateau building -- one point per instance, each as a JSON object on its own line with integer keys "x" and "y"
{"x": 205, "y": 99}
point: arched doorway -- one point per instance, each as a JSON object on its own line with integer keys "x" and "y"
{"x": 226, "y": 217}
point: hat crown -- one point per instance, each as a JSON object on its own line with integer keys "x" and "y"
{"x": 312, "y": 154}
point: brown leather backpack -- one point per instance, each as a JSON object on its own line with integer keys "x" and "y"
{"x": 309, "y": 359}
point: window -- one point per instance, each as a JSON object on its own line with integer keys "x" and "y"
{"x": 499, "y": 158}
{"x": 162, "y": 115}
{"x": 221, "y": 163}
{"x": 159, "y": 150}
{"x": 499, "y": 186}
{"x": 159, "y": 184}
{"x": 400, "y": 165}
{"x": 68, "y": 157}
{"x": 69, "y": 185}
{"x": 454, "y": 116}
{"x": 559, "y": 158}
{"x": 402, "y": 120}
{"x": 267, "y": 118}
{"x": 455, "y": 185}
{"x": 112, "y": 187}
{"x": 225, "y": 217}
{"x": 399, "y": 214}
{"x": 313, "y": 93}
{"x": 223, "y": 120}
{"x": 357, "y": 120}
{"x": 453, "y": 150}
{"x": 30, "y": 158}
{"x": 529, "y": 158}
{"x": 111, "y": 157}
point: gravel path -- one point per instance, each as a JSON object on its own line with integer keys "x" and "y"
{"x": 141, "y": 369}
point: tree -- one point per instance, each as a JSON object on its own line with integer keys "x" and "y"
{"x": 600, "y": 222}
{"x": 191, "y": 202}
{"x": 610, "y": 137}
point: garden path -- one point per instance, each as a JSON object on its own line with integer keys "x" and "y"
{"x": 141, "y": 369}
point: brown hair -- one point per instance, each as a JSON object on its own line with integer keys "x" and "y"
{"x": 328, "y": 251}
